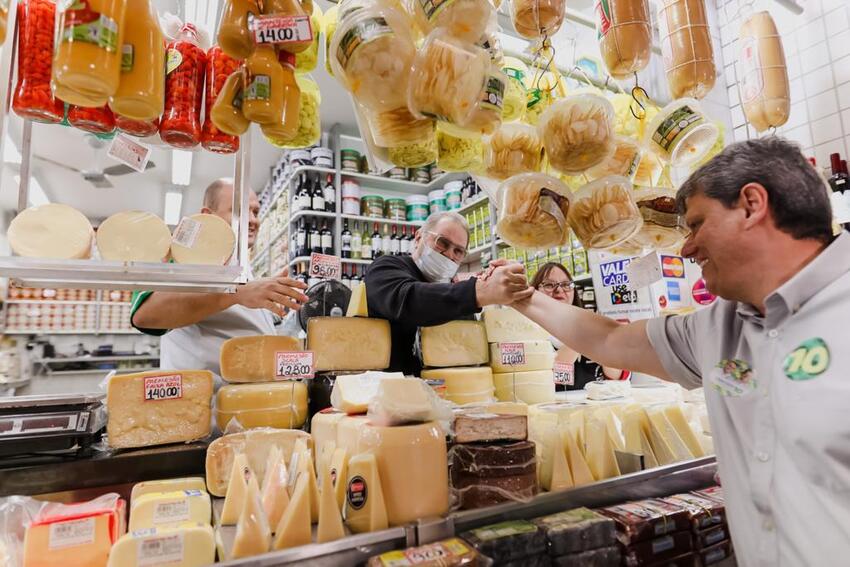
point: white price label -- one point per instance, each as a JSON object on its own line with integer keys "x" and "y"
{"x": 159, "y": 388}
{"x": 129, "y": 152}
{"x": 282, "y": 29}
{"x": 160, "y": 550}
{"x": 840, "y": 206}
{"x": 186, "y": 232}
{"x": 71, "y": 533}
{"x": 170, "y": 512}
{"x": 512, "y": 354}
{"x": 564, "y": 374}
{"x": 325, "y": 266}
{"x": 644, "y": 271}
{"x": 292, "y": 365}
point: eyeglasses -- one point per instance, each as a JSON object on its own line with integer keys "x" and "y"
{"x": 443, "y": 245}
{"x": 550, "y": 287}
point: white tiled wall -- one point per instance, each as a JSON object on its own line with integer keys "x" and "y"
{"x": 817, "y": 50}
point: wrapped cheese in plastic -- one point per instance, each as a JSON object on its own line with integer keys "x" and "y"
{"x": 534, "y": 19}
{"x": 625, "y": 36}
{"x": 604, "y": 213}
{"x": 486, "y": 115}
{"x": 686, "y": 47}
{"x": 533, "y": 211}
{"x": 457, "y": 154}
{"x": 513, "y": 104}
{"x": 663, "y": 227}
{"x": 511, "y": 150}
{"x": 679, "y": 134}
{"x": 624, "y": 161}
{"x": 309, "y": 121}
{"x": 762, "y": 74}
{"x": 577, "y": 132}
{"x": 466, "y": 20}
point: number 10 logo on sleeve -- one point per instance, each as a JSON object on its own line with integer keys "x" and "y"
{"x": 292, "y": 365}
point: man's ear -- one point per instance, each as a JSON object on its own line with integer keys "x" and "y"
{"x": 754, "y": 201}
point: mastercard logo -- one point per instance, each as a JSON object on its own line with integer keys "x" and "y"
{"x": 672, "y": 267}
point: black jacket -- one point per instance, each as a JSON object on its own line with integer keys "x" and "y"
{"x": 396, "y": 290}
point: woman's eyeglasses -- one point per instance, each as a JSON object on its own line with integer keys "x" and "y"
{"x": 550, "y": 287}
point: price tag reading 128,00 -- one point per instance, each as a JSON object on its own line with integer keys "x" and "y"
{"x": 282, "y": 29}
{"x": 292, "y": 365}
{"x": 324, "y": 266}
{"x": 512, "y": 354}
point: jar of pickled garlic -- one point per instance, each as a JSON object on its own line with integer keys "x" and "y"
{"x": 287, "y": 127}
{"x": 33, "y": 98}
{"x": 263, "y": 99}
{"x": 293, "y": 8}
{"x": 87, "y": 60}
{"x": 94, "y": 120}
{"x": 141, "y": 92}
{"x": 185, "y": 66}
{"x": 139, "y": 128}
{"x": 219, "y": 67}
{"x": 226, "y": 113}
{"x": 234, "y": 35}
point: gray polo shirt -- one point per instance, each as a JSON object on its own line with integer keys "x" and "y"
{"x": 778, "y": 393}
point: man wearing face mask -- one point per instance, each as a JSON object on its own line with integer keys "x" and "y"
{"x": 417, "y": 291}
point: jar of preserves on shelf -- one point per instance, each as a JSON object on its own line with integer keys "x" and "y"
{"x": 95, "y": 120}
{"x": 184, "y": 90}
{"x": 141, "y": 92}
{"x": 139, "y": 128}
{"x": 87, "y": 59}
{"x": 287, "y": 127}
{"x": 263, "y": 99}
{"x": 219, "y": 67}
{"x": 33, "y": 98}
{"x": 234, "y": 35}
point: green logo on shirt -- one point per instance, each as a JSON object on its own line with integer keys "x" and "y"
{"x": 808, "y": 360}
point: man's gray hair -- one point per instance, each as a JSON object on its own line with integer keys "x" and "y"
{"x": 213, "y": 192}
{"x": 434, "y": 218}
{"x": 797, "y": 195}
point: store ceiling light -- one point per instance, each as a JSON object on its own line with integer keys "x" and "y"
{"x": 36, "y": 195}
{"x": 181, "y": 167}
{"x": 173, "y": 206}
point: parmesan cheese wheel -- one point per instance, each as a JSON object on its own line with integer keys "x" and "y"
{"x": 133, "y": 236}
{"x": 51, "y": 231}
{"x": 625, "y": 36}
{"x": 202, "y": 239}
{"x": 686, "y": 48}
{"x": 765, "y": 92}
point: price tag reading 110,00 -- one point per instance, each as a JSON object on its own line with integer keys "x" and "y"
{"x": 512, "y": 354}
{"x": 271, "y": 30}
{"x": 325, "y": 266}
{"x": 292, "y": 365}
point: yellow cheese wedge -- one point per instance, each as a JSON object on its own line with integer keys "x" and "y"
{"x": 507, "y": 325}
{"x": 274, "y": 494}
{"x": 324, "y": 462}
{"x": 348, "y": 432}
{"x": 457, "y": 343}
{"x": 294, "y": 527}
{"x": 330, "y": 520}
{"x": 323, "y": 427}
{"x": 614, "y": 426}
{"x": 464, "y": 385}
{"x": 579, "y": 468}
{"x": 365, "y": 510}
{"x": 649, "y": 459}
{"x": 677, "y": 419}
{"x": 338, "y": 343}
{"x": 253, "y": 535}
{"x": 254, "y": 358}
{"x": 186, "y": 545}
{"x": 234, "y": 501}
{"x": 170, "y": 508}
{"x": 562, "y": 478}
{"x": 167, "y": 485}
{"x": 282, "y": 405}
{"x": 358, "y": 306}
{"x": 668, "y": 433}
{"x": 599, "y": 450}
{"x": 660, "y": 448}
{"x": 534, "y": 387}
{"x": 339, "y": 472}
{"x": 303, "y": 463}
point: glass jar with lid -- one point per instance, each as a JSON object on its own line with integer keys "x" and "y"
{"x": 184, "y": 90}
{"x": 33, "y": 98}
{"x": 219, "y": 67}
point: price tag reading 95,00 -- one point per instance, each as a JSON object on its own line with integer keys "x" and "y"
{"x": 166, "y": 387}
{"x": 512, "y": 354}
{"x": 325, "y": 267}
{"x": 282, "y": 29}
{"x": 292, "y": 365}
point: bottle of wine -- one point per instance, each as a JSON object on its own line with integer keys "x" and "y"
{"x": 318, "y": 195}
{"x": 356, "y": 243}
{"x": 315, "y": 238}
{"x": 366, "y": 248}
{"x": 302, "y": 196}
{"x": 838, "y": 180}
{"x": 377, "y": 247}
{"x": 327, "y": 239}
{"x": 330, "y": 195}
{"x": 355, "y": 278}
{"x": 395, "y": 242}
{"x": 345, "y": 251}
{"x": 346, "y": 279}
{"x": 301, "y": 240}
{"x": 386, "y": 241}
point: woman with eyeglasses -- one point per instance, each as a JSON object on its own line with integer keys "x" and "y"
{"x": 554, "y": 280}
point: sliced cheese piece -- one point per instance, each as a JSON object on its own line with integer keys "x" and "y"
{"x": 300, "y": 446}
{"x": 614, "y": 427}
{"x": 464, "y": 385}
{"x": 330, "y": 519}
{"x": 170, "y": 508}
{"x": 544, "y": 421}
{"x": 274, "y": 493}
{"x": 51, "y": 231}
{"x": 234, "y": 501}
{"x": 660, "y": 448}
{"x": 539, "y": 355}
{"x": 365, "y": 508}
{"x": 186, "y": 545}
{"x": 535, "y": 387}
{"x": 649, "y": 459}
{"x": 635, "y": 428}
{"x": 254, "y": 359}
{"x": 668, "y": 433}
{"x": 255, "y": 444}
{"x": 294, "y": 527}
{"x": 282, "y": 405}
{"x": 562, "y": 478}
{"x": 677, "y": 419}
{"x": 167, "y": 485}
{"x": 507, "y": 325}
{"x": 599, "y": 450}
{"x": 339, "y": 472}
{"x": 578, "y": 465}
{"x": 253, "y": 535}
{"x": 133, "y": 236}
{"x": 407, "y": 400}
{"x": 324, "y": 462}
{"x": 457, "y": 343}
{"x": 353, "y": 392}
{"x": 305, "y": 466}
{"x": 202, "y": 239}
{"x": 323, "y": 427}
{"x": 154, "y": 408}
{"x": 349, "y": 343}
{"x": 357, "y": 305}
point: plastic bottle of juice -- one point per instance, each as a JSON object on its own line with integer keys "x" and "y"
{"x": 141, "y": 92}
{"x": 263, "y": 100}
{"x": 287, "y": 128}
{"x": 234, "y": 35}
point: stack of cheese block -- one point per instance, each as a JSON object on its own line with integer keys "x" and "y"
{"x": 169, "y": 524}
{"x": 158, "y": 407}
{"x": 530, "y": 381}
{"x": 257, "y": 396}
{"x": 456, "y": 354}
{"x": 54, "y": 230}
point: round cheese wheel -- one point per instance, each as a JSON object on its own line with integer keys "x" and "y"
{"x": 51, "y": 231}
{"x": 203, "y": 239}
{"x": 133, "y": 236}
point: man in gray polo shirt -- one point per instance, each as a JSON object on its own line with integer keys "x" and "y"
{"x": 773, "y": 353}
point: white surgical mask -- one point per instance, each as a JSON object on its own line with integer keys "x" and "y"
{"x": 434, "y": 266}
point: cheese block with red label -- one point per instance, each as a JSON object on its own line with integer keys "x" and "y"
{"x": 154, "y": 408}
{"x": 254, "y": 359}
{"x": 282, "y": 405}
{"x": 349, "y": 343}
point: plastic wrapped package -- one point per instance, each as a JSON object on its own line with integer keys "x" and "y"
{"x": 329, "y": 23}
{"x": 466, "y": 20}
{"x": 679, "y": 134}
{"x": 226, "y": 114}
{"x": 452, "y": 552}
{"x": 486, "y": 115}
{"x": 309, "y": 121}
{"x": 234, "y": 37}
{"x": 33, "y": 98}
{"x": 513, "y": 105}
{"x": 398, "y": 127}
{"x": 458, "y": 154}
{"x": 625, "y": 36}
{"x": 180, "y": 125}
{"x": 533, "y": 211}
{"x": 141, "y": 92}
{"x": 577, "y": 132}
{"x": 686, "y": 48}
{"x": 95, "y": 120}
{"x": 604, "y": 213}
{"x": 89, "y": 50}
{"x": 763, "y": 75}
{"x": 484, "y": 474}
{"x": 509, "y": 541}
{"x": 139, "y": 128}
{"x": 534, "y": 19}
{"x": 371, "y": 53}
{"x": 306, "y": 61}
{"x": 663, "y": 227}
{"x": 219, "y": 68}
{"x": 623, "y": 162}
{"x": 511, "y": 150}
{"x": 406, "y": 400}
{"x": 414, "y": 154}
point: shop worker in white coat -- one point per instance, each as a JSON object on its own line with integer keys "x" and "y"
{"x": 773, "y": 353}
{"x": 193, "y": 326}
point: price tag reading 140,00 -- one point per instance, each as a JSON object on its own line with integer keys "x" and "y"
{"x": 325, "y": 266}
{"x": 166, "y": 387}
{"x": 512, "y": 354}
{"x": 291, "y": 365}
{"x": 282, "y": 29}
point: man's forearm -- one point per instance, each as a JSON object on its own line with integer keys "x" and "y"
{"x": 165, "y": 310}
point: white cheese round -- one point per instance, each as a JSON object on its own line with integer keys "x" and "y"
{"x": 51, "y": 231}
{"x": 133, "y": 236}
{"x": 202, "y": 239}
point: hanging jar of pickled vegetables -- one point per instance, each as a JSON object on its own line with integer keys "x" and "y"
{"x": 226, "y": 113}
{"x": 94, "y": 120}
{"x": 141, "y": 92}
{"x": 33, "y": 98}
{"x": 140, "y": 128}
{"x": 300, "y": 33}
{"x": 180, "y": 125}
{"x": 287, "y": 127}
{"x": 263, "y": 99}
{"x": 87, "y": 61}
{"x": 219, "y": 67}
{"x": 234, "y": 34}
